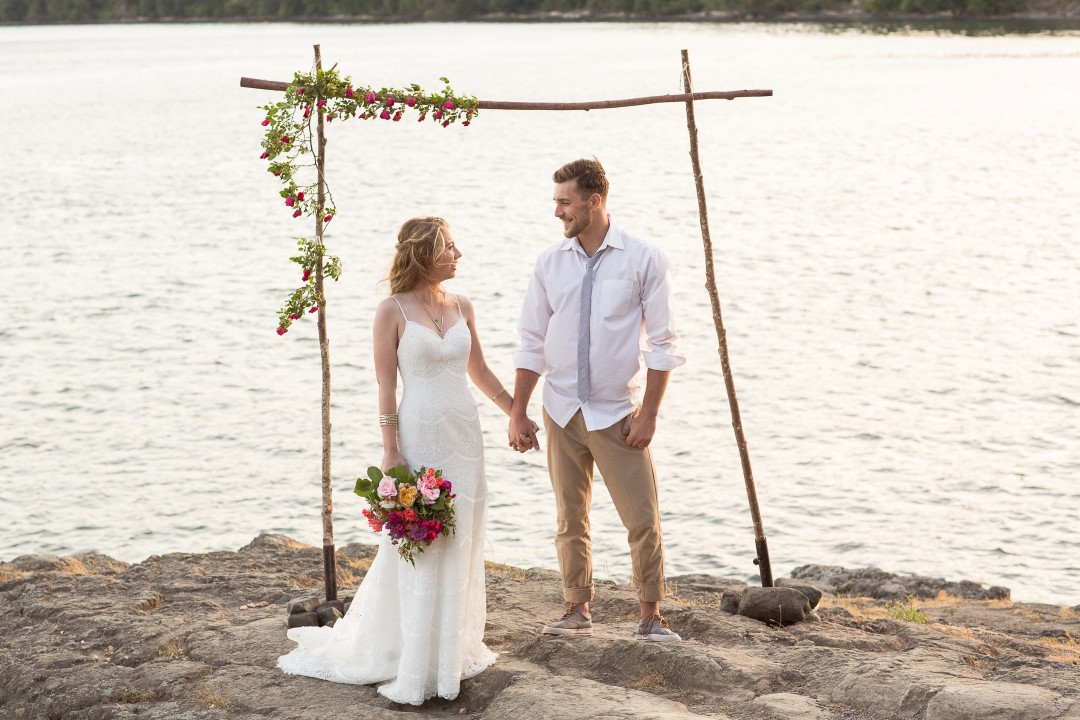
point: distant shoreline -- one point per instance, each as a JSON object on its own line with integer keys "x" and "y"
{"x": 1038, "y": 13}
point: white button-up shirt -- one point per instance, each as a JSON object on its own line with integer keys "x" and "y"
{"x": 631, "y": 320}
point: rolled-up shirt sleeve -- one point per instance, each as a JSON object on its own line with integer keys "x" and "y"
{"x": 659, "y": 322}
{"x": 532, "y": 327}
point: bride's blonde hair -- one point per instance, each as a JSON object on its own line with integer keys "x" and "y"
{"x": 420, "y": 242}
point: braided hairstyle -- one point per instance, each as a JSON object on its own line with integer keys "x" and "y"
{"x": 420, "y": 243}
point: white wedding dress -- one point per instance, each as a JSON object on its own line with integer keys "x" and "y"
{"x": 421, "y": 628}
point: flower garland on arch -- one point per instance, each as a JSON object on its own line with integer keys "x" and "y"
{"x": 288, "y": 138}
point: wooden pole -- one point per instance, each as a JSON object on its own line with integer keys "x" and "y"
{"x": 593, "y": 105}
{"x": 329, "y": 562}
{"x": 762, "y": 559}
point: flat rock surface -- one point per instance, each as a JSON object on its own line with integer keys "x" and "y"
{"x": 195, "y": 637}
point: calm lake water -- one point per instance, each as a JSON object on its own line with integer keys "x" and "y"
{"x": 898, "y": 254}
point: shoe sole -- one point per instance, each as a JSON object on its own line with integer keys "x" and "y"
{"x": 658, "y": 638}
{"x": 566, "y": 631}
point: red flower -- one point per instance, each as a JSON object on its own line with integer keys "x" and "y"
{"x": 264, "y": 156}
{"x": 266, "y": 122}
{"x": 370, "y": 98}
{"x": 300, "y": 196}
{"x": 277, "y": 174}
{"x": 328, "y": 218}
{"x": 307, "y": 110}
{"x": 466, "y": 123}
{"x": 397, "y": 116}
{"x": 422, "y": 118}
{"x": 437, "y": 114}
{"x": 363, "y": 116}
{"x": 321, "y": 103}
{"x": 290, "y": 201}
{"x": 281, "y": 331}
{"x": 445, "y": 123}
{"x": 298, "y": 212}
{"x": 314, "y": 308}
{"x": 348, "y": 92}
{"x": 448, "y": 105}
{"x": 390, "y": 101}
{"x": 285, "y": 139}
{"x": 385, "y": 114}
{"x": 294, "y": 316}
{"x": 300, "y": 91}
{"x": 307, "y": 274}
{"x": 410, "y": 101}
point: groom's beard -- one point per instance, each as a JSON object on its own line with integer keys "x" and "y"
{"x": 577, "y": 227}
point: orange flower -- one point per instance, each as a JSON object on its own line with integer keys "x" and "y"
{"x": 407, "y": 495}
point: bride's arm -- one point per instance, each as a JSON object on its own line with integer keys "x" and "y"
{"x": 481, "y": 374}
{"x": 386, "y": 331}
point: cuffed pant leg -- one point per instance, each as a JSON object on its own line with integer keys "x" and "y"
{"x": 570, "y": 465}
{"x": 631, "y": 480}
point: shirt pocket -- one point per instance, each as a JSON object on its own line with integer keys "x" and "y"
{"x": 616, "y": 297}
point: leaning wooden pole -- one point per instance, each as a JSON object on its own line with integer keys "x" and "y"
{"x": 329, "y": 562}
{"x": 762, "y": 559}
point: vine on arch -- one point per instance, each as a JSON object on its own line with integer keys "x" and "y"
{"x": 288, "y": 141}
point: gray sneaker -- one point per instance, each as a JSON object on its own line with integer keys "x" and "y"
{"x": 655, "y": 629}
{"x": 574, "y": 622}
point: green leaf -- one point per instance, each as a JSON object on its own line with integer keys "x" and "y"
{"x": 363, "y": 487}
{"x": 375, "y": 474}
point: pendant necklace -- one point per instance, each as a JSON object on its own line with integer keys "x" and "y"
{"x": 438, "y": 322}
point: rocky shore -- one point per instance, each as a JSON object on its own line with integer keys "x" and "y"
{"x": 196, "y": 636}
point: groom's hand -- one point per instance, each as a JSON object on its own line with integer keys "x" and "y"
{"x": 522, "y": 434}
{"x": 642, "y": 429}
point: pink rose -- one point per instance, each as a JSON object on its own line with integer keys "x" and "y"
{"x": 348, "y": 92}
{"x": 370, "y": 98}
{"x": 321, "y": 103}
{"x": 437, "y": 114}
{"x": 422, "y": 118}
{"x": 307, "y": 274}
{"x": 397, "y": 116}
{"x": 429, "y": 489}
{"x": 300, "y": 91}
{"x": 298, "y": 212}
{"x": 314, "y": 308}
{"x": 445, "y": 123}
{"x": 266, "y": 122}
{"x": 307, "y": 110}
{"x": 363, "y": 116}
{"x": 448, "y": 105}
{"x": 294, "y": 316}
{"x": 300, "y": 196}
{"x": 466, "y": 123}
{"x": 385, "y": 114}
{"x": 264, "y": 156}
{"x": 290, "y": 201}
{"x": 410, "y": 101}
{"x": 390, "y": 101}
{"x": 285, "y": 139}
{"x": 281, "y": 331}
{"x": 328, "y": 218}
{"x": 277, "y": 174}
{"x": 387, "y": 488}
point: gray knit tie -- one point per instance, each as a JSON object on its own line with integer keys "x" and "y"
{"x": 584, "y": 329}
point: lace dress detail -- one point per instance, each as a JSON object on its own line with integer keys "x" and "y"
{"x": 422, "y": 628}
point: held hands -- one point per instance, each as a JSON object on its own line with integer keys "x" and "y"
{"x": 522, "y": 434}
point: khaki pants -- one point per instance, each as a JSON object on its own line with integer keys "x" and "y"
{"x": 631, "y": 481}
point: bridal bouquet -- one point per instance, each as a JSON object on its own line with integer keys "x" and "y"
{"x": 415, "y": 508}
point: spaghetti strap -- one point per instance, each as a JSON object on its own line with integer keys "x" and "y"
{"x": 400, "y": 308}
{"x": 458, "y": 303}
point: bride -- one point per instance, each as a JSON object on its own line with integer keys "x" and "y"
{"x": 421, "y": 628}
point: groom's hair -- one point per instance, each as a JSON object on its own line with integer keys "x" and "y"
{"x": 589, "y": 174}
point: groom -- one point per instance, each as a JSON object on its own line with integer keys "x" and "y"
{"x": 591, "y": 299}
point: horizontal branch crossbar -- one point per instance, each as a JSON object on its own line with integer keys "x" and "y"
{"x": 594, "y": 105}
